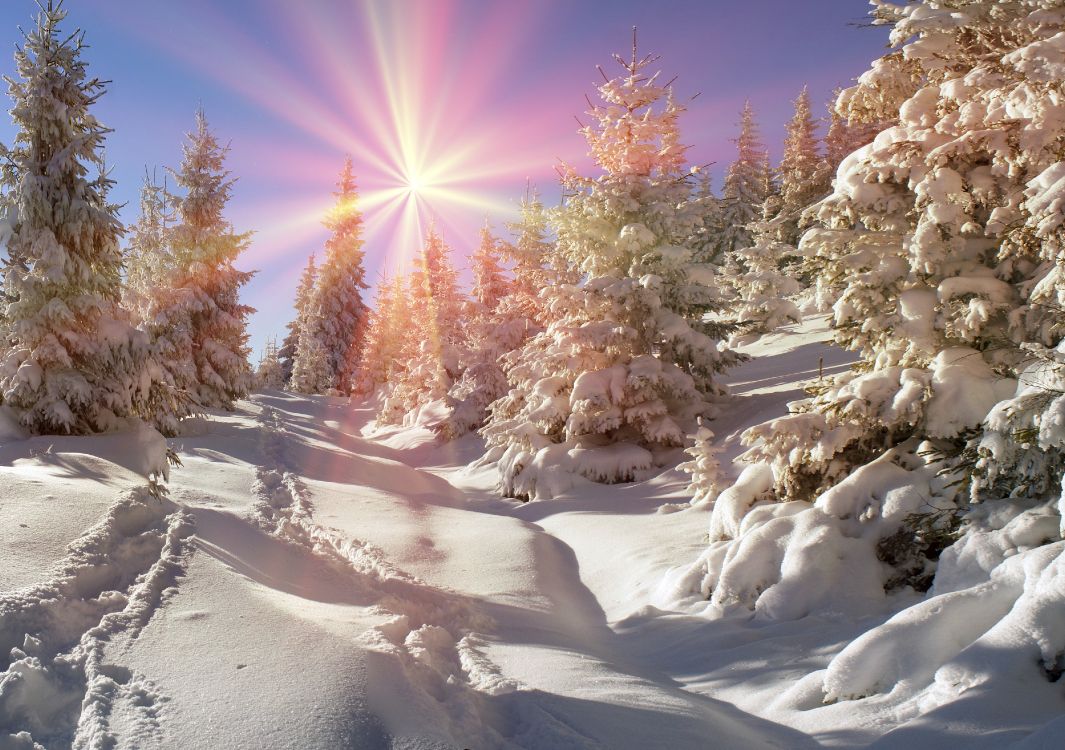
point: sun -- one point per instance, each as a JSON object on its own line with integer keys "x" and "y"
{"x": 414, "y": 183}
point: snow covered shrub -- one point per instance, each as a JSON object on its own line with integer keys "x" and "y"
{"x": 707, "y": 476}
{"x": 626, "y": 361}
{"x": 70, "y": 359}
{"x": 943, "y": 236}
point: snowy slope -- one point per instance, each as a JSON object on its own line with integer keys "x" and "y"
{"x": 311, "y": 582}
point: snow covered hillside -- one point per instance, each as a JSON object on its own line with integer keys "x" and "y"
{"x": 310, "y": 582}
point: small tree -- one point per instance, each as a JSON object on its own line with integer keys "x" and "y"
{"x": 268, "y": 374}
{"x": 388, "y": 327}
{"x": 747, "y": 184}
{"x": 304, "y": 292}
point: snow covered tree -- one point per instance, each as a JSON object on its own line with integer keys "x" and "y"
{"x": 627, "y": 358}
{"x": 944, "y": 234}
{"x": 490, "y": 331}
{"x": 203, "y": 305}
{"x": 431, "y": 356}
{"x": 341, "y": 280}
{"x": 311, "y": 369}
{"x": 747, "y": 184}
{"x": 268, "y": 374}
{"x": 71, "y": 362}
{"x": 765, "y": 288}
{"x": 804, "y": 177}
{"x": 387, "y": 329}
{"x": 708, "y": 478}
{"x": 148, "y": 259}
{"x": 304, "y": 292}
{"x": 707, "y": 241}
{"x": 844, "y": 138}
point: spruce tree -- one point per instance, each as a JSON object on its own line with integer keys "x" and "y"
{"x": 491, "y": 330}
{"x": 747, "y": 183}
{"x": 944, "y": 235}
{"x": 148, "y": 258}
{"x": 289, "y": 345}
{"x": 627, "y": 357}
{"x": 388, "y": 325}
{"x": 70, "y": 362}
{"x": 207, "y": 283}
{"x": 268, "y": 375}
{"x": 803, "y": 175}
{"x": 341, "y": 281}
{"x": 431, "y": 356}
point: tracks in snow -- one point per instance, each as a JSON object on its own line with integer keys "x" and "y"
{"x": 433, "y": 635}
{"x": 57, "y": 689}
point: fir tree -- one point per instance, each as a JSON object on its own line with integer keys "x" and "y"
{"x": 491, "y": 330}
{"x": 387, "y": 328}
{"x": 627, "y": 356}
{"x": 747, "y": 183}
{"x": 944, "y": 235}
{"x": 148, "y": 258}
{"x": 803, "y": 175}
{"x": 201, "y": 323}
{"x": 311, "y": 370}
{"x": 289, "y": 345}
{"x": 338, "y": 293}
{"x": 268, "y": 375}
{"x": 71, "y": 361}
{"x": 707, "y": 476}
{"x": 431, "y": 355}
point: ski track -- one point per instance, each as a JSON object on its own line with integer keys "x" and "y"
{"x": 58, "y": 689}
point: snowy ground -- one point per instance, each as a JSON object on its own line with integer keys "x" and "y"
{"x": 309, "y": 583}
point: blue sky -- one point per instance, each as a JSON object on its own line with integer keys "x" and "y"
{"x": 486, "y": 91}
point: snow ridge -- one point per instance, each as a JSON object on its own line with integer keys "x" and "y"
{"x": 57, "y": 687}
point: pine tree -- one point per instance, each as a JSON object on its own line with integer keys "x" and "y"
{"x": 708, "y": 478}
{"x": 71, "y": 362}
{"x": 205, "y": 305}
{"x": 432, "y": 353}
{"x": 491, "y": 330}
{"x": 311, "y": 369}
{"x": 341, "y": 281}
{"x": 289, "y": 345}
{"x": 803, "y": 175}
{"x": 945, "y": 237}
{"x": 148, "y": 258}
{"x": 627, "y": 356}
{"x": 746, "y": 186}
{"x": 387, "y": 328}
{"x": 268, "y": 375}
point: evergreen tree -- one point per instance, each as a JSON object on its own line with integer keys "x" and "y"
{"x": 148, "y": 258}
{"x": 627, "y": 357}
{"x": 803, "y": 175}
{"x": 431, "y": 354}
{"x": 388, "y": 326}
{"x": 199, "y": 324}
{"x": 707, "y": 477}
{"x": 341, "y": 280}
{"x": 945, "y": 237}
{"x": 490, "y": 331}
{"x": 71, "y": 362}
{"x": 747, "y": 184}
{"x": 311, "y": 369}
{"x": 289, "y": 345}
{"x": 268, "y": 374}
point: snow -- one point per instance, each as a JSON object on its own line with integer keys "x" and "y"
{"x": 316, "y": 580}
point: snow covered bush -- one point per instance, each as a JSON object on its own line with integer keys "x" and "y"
{"x": 708, "y": 478}
{"x": 626, "y": 361}
{"x": 70, "y": 359}
{"x": 938, "y": 460}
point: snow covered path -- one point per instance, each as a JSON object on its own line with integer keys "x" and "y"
{"x": 304, "y": 587}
